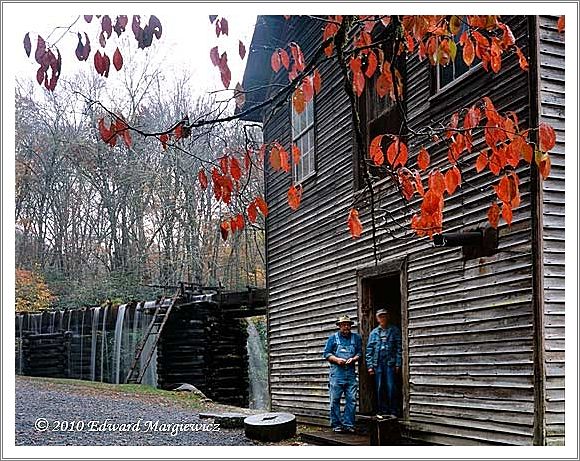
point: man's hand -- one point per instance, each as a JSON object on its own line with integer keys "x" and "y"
{"x": 348, "y": 361}
{"x": 371, "y": 371}
{"x": 340, "y": 362}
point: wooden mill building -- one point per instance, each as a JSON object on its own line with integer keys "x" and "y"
{"x": 483, "y": 336}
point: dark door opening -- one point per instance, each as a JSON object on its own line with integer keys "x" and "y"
{"x": 376, "y": 291}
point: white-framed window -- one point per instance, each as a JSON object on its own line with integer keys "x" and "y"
{"x": 303, "y": 137}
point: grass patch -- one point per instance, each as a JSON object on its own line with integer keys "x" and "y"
{"x": 137, "y": 390}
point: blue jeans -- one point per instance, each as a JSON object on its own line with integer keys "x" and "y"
{"x": 338, "y": 387}
{"x": 387, "y": 392}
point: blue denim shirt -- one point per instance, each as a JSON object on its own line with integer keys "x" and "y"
{"x": 352, "y": 346}
{"x": 393, "y": 353}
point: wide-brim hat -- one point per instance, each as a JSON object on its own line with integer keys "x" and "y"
{"x": 344, "y": 319}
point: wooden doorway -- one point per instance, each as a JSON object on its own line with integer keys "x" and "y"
{"x": 379, "y": 286}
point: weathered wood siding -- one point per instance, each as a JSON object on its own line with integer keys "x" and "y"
{"x": 470, "y": 326}
{"x": 552, "y": 111}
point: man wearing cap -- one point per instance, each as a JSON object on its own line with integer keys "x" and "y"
{"x": 383, "y": 359}
{"x": 343, "y": 350}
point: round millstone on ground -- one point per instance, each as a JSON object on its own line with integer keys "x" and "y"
{"x": 270, "y": 427}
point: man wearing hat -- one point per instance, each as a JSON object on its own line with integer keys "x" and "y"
{"x": 343, "y": 350}
{"x": 383, "y": 359}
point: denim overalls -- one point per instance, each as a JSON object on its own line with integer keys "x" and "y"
{"x": 387, "y": 395}
{"x": 343, "y": 381}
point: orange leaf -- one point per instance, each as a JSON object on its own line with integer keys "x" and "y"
{"x": 419, "y": 184}
{"x": 275, "y": 61}
{"x": 452, "y": 179}
{"x": 423, "y": 159}
{"x": 481, "y": 162}
{"x": 545, "y": 166}
{"x": 493, "y": 215}
{"x": 358, "y": 82}
{"x": 495, "y": 163}
{"x": 294, "y": 196}
{"x": 262, "y": 206}
{"x": 547, "y": 137}
{"x": 284, "y": 160}
{"x": 275, "y": 161}
{"x": 295, "y": 154}
{"x": 397, "y": 152}
{"x": 201, "y": 176}
{"x": 561, "y": 23}
{"x": 506, "y": 212}
{"x": 235, "y": 169}
{"x": 298, "y": 101}
{"x": 317, "y": 82}
{"x": 385, "y": 85}
{"x": 406, "y": 185}
{"x": 240, "y": 223}
{"x": 436, "y": 182}
{"x": 371, "y": 64}
{"x": 252, "y": 212}
{"x": 468, "y": 52}
{"x": 284, "y": 58}
{"x": 375, "y": 151}
{"x": 307, "y": 89}
{"x": 523, "y": 61}
{"x": 354, "y": 224}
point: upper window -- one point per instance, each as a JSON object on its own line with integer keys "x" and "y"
{"x": 444, "y": 75}
{"x": 303, "y": 137}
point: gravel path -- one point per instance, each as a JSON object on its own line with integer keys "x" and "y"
{"x": 82, "y": 416}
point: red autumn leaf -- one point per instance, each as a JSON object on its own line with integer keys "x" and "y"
{"x": 307, "y": 89}
{"x": 214, "y": 56}
{"x": 224, "y": 226}
{"x": 495, "y": 163}
{"x": 117, "y": 60}
{"x": 468, "y": 52}
{"x": 371, "y": 64}
{"x": 28, "y": 45}
{"x": 102, "y": 63}
{"x": 522, "y": 59}
{"x": 275, "y": 161}
{"x": 472, "y": 118}
{"x": 495, "y": 55}
{"x": 235, "y": 169}
{"x": 295, "y": 154}
{"x": 375, "y": 151}
{"x": 481, "y": 162}
{"x": 547, "y": 137}
{"x": 423, "y": 159}
{"x": 358, "y": 83}
{"x": 240, "y": 222}
{"x": 225, "y": 72}
{"x": 561, "y": 23}
{"x": 247, "y": 159}
{"x": 407, "y": 188}
{"x": 107, "y": 134}
{"x": 453, "y": 123}
{"x": 385, "y": 85}
{"x": 354, "y": 224}
{"x": 224, "y": 164}
{"x": 241, "y": 49}
{"x": 262, "y": 206}
{"x": 83, "y": 51}
{"x": 233, "y": 225}
{"x": 452, "y": 179}
{"x": 275, "y": 61}
{"x": 284, "y": 160}
{"x": 294, "y": 196}
{"x": 201, "y": 176}
{"x": 506, "y": 189}
{"x": 297, "y": 56}
{"x": 298, "y": 101}
{"x": 545, "y": 166}
{"x": 317, "y": 82}
{"x": 178, "y": 132}
{"x": 397, "y": 152}
{"x": 506, "y": 212}
{"x": 252, "y": 212}
{"x": 224, "y": 26}
{"x": 164, "y": 138}
{"x": 436, "y": 182}
{"x": 419, "y": 184}
{"x": 284, "y": 58}
{"x": 493, "y": 215}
